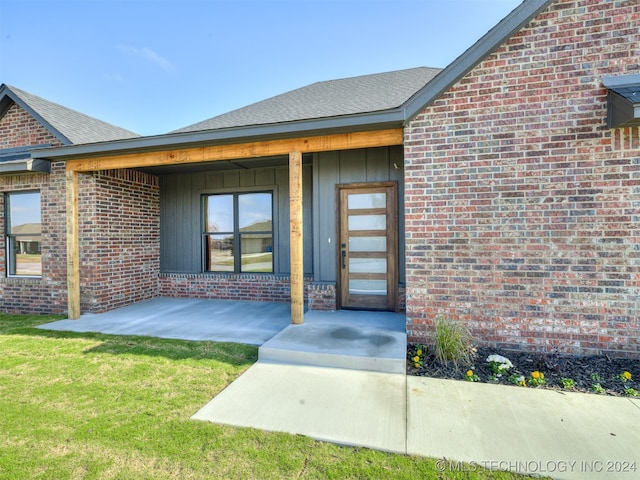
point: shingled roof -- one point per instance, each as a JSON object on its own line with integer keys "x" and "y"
{"x": 379, "y": 101}
{"x": 332, "y": 98}
{"x": 69, "y": 126}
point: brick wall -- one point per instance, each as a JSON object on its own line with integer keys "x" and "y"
{"x": 47, "y": 294}
{"x": 322, "y": 296}
{"x": 243, "y": 286}
{"x": 19, "y": 129}
{"x": 522, "y": 208}
{"x": 119, "y": 223}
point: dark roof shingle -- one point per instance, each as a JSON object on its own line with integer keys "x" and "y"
{"x": 332, "y": 98}
{"x": 73, "y": 126}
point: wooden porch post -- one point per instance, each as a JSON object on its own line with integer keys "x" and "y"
{"x": 295, "y": 237}
{"x": 73, "y": 247}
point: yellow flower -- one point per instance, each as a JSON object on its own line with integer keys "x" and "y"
{"x": 626, "y": 375}
{"x": 417, "y": 365}
{"x": 419, "y": 352}
{"x": 469, "y": 373}
{"x": 536, "y": 374}
{"x": 416, "y": 358}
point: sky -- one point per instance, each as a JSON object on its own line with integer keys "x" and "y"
{"x": 153, "y": 66}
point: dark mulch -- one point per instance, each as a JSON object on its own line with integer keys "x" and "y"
{"x": 584, "y": 371}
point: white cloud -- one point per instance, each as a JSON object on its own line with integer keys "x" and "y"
{"x": 149, "y": 55}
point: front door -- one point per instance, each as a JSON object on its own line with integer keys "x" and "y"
{"x": 368, "y": 247}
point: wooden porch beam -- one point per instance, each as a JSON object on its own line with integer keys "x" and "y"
{"x": 73, "y": 247}
{"x": 295, "y": 237}
{"x": 212, "y": 153}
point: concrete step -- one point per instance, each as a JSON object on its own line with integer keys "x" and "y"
{"x": 368, "y": 341}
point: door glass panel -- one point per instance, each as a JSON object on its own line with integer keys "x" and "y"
{"x": 367, "y": 222}
{"x": 219, "y": 253}
{"x": 367, "y": 287}
{"x": 367, "y": 244}
{"x": 257, "y": 252}
{"x": 367, "y": 200}
{"x": 368, "y": 265}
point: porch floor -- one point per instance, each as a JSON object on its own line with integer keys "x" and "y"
{"x": 252, "y": 323}
{"x": 358, "y": 340}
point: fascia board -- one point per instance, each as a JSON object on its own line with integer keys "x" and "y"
{"x": 361, "y": 122}
{"x": 25, "y": 166}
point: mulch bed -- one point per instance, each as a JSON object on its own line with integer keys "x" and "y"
{"x": 584, "y": 371}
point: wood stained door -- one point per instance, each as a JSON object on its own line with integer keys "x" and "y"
{"x": 368, "y": 247}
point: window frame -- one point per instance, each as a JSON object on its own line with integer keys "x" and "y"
{"x": 237, "y": 234}
{"x": 11, "y": 264}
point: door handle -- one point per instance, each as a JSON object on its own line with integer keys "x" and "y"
{"x": 344, "y": 254}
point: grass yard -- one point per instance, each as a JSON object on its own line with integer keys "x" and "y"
{"x": 83, "y": 406}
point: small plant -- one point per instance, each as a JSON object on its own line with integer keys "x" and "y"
{"x": 472, "y": 377}
{"x": 536, "y": 379}
{"x": 518, "y": 380}
{"x": 596, "y": 377}
{"x": 452, "y": 343}
{"x": 625, "y": 376}
{"x": 631, "y": 392}
{"x": 597, "y": 388}
{"x": 568, "y": 383}
{"x": 417, "y": 358}
{"x": 498, "y": 365}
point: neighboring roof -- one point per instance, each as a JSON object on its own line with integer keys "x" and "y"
{"x": 69, "y": 126}
{"x": 291, "y": 118}
{"x": 623, "y": 101}
{"x": 27, "y": 229}
{"x": 332, "y": 98}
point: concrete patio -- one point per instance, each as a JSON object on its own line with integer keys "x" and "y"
{"x": 373, "y": 341}
{"x": 340, "y": 377}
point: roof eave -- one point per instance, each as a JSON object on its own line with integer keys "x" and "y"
{"x": 6, "y": 91}
{"x": 475, "y": 54}
{"x": 622, "y": 111}
{"x": 28, "y": 165}
{"x": 392, "y": 118}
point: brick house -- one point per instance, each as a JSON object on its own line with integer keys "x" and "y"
{"x": 34, "y": 280}
{"x": 502, "y": 192}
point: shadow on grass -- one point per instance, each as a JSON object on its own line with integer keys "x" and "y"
{"x": 231, "y": 353}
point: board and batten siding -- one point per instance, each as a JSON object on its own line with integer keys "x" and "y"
{"x": 181, "y": 213}
{"x": 181, "y": 210}
{"x": 382, "y": 164}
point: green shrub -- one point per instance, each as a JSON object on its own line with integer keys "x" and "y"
{"x": 453, "y": 343}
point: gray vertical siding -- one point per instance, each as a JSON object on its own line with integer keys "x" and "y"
{"x": 180, "y": 207}
{"x": 181, "y": 222}
{"x": 350, "y": 166}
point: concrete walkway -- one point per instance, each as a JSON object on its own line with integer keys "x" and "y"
{"x": 340, "y": 378}
{"x": 533, "y": 431}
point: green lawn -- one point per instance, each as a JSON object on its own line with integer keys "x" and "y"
{"x": 82, "y": 406}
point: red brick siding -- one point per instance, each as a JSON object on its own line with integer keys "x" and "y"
{"x": 47, "y": 294}
{"x": 19, "y": 129}
{"x": 522, "y": 209}
{"x": 119, "y": 226}
{"x": 322, "y": 296}
{"x": 244, "y": 286}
